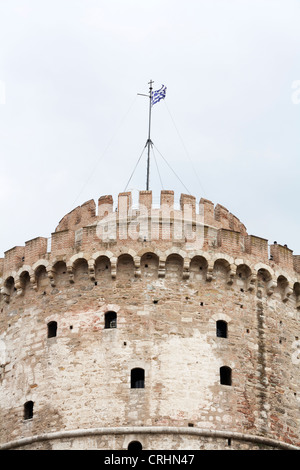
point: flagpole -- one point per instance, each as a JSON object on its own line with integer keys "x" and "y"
{"x": 149, "y": 133}
{"x": 157, "y": 96}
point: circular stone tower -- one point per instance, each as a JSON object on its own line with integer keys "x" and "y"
{"x": 167, "y": 325}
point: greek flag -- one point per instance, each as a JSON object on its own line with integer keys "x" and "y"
{"x": 158, "y": 95}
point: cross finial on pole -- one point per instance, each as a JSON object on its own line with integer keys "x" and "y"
{"x": 149, "y": 142}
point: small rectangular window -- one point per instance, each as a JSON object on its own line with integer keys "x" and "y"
{"x": 52, "y": 329}
{"x": 110, "y": 320}
{"x": 225, "y": 375}
{"x": 221, "y": 329}
{"x": 137, "y": 378}
{"x": 28, "y": 410}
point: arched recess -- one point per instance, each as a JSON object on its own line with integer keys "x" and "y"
{"x": 264, "y": 280}
{"x": 282, "y": 287}
{"x": 174, "y": 267}
{"x": 25, "y": 281}
{"x": 198, "y": 268}
{"x": 42, "y": 278}
{"x": 149, "y": 265}
{"x": 9, "y": 287}
{"x": 102, "y": 269}
{"x": 81, "y": 270}
{"x": 221, "y": 270}
{"x": 296, "y": 292}
{"x": 125, "y": 267}
{"x": 61, "y": 274}
{"x": 243, "y": 277}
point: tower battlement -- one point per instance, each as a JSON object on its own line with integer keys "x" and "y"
{"x": 168, "y": 323}
{"x": 217, "y": 216}
{"x": 193, "y": 225}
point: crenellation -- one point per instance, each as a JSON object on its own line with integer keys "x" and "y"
{"x": 105, "y": 206}
{"x": 230, "y": 241}
{"x": 206, "y": 209}
{"x": 296, "y": 263}
{"x": 88, "y": 238}
{"x": 124, "y": 204}
{"x": 188, "y": 206}
{"x": 236, "y": 225}
{"x": 62, "y": 242}
{"x": 282, "y": 255}
{"x": 257, "y": 247}
{"x": 211, "y": 228}
{"x": 14, "y": 258}
{"x": 167, "y": 198}
{"x": 35, "y": 249}
{"x": 145, "y": 200}
{"x": 157, "y": 290}
{"x": 234, "y": 222}
{"x": 221, "y": 215}
{"x": 81, "y": 215}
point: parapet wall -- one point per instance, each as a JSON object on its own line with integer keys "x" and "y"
{"x": 217, "y": 216}
{"x": 193, "y": 228}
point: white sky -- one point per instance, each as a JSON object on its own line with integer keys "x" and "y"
{"x": 72, "y": 126}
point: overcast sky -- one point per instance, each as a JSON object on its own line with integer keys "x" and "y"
{"x": 72, "y": 126}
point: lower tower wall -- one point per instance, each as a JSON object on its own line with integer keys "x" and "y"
{"x": 176, "y": 347}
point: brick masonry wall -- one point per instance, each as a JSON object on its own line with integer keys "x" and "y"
{"x": 168, "y": 297}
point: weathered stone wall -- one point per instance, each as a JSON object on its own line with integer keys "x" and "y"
{"x": 168, "y": 295}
